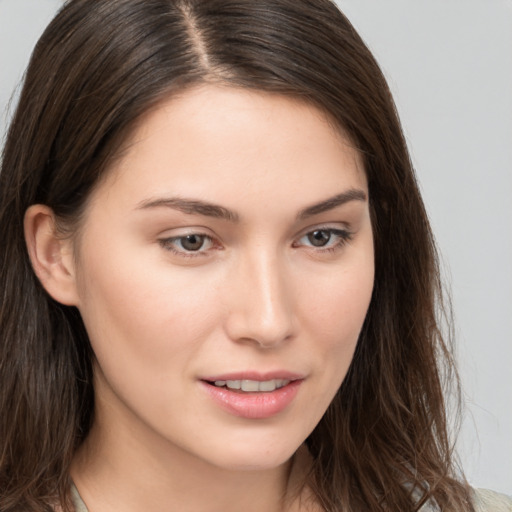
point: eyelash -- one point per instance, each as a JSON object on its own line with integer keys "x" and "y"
{"x": 343, "y": 236}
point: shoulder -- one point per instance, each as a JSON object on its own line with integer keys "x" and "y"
{"x": 490, "y": 501}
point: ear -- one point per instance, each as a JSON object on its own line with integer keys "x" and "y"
{"x": 51, "y": 256}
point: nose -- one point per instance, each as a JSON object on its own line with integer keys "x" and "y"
{"x": 261, "y": 303}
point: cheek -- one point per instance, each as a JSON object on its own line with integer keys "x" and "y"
{"x": 147, "y": 327}
{"x": 149, "y": 313}
{"x": 338, "y": 303}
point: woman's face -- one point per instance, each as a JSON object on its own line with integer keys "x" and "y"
{"x": 231, "y": 246}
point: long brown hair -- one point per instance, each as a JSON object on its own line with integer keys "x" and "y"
{"x": 383, "y": 444}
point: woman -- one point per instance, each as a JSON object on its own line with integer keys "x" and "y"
{"x": 218, "y": 272}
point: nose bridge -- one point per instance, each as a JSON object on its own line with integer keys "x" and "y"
{"x": 262, "y": 309}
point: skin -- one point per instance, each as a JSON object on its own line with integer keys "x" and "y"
{"x": 258, "y": 295}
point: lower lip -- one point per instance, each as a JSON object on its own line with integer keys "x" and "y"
{"x": 257, "y": 405}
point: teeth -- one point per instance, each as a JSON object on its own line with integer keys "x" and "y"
{"x": 233, "y": 384}
{"x": 267, "y": 385}
{"x": 252, "y": 385}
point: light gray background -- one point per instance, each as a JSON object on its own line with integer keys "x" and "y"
{"x": 449, "y": 64}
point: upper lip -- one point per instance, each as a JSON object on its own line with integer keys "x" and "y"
{"x": 254, "y": 375}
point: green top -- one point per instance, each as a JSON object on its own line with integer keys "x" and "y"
{"x": 485, "y": 501}
{"x": 77, "y": 500}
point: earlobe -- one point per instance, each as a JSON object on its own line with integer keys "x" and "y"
{"x": 51, "y": 256}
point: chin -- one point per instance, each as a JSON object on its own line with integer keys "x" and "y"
{"x": 257, "y": 456}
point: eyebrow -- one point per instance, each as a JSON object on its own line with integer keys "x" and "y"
{"x": 199, "y": 207}
{"x": 192, "y": 207}
{"x": 333, "y": 202}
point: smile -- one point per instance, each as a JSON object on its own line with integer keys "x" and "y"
{"x": 251, "y": 395}
{"x": 252, "y": 386}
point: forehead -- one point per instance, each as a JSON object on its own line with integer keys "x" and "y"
{"x": 220, "y": 141}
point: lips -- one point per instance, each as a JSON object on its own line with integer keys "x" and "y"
{"x": 253, "y": 396}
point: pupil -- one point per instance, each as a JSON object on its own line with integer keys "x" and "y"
{"x": 319, "y": 238}
{"x": 192, "y": 242}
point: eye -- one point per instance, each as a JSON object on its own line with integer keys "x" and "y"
{"x": 193, "y": 244}
{"x": 319, "y": 238}
{"x": 324, "y": 238}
